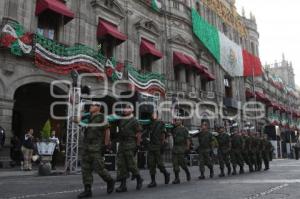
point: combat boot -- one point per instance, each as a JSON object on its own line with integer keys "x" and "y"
{"x": 177, "y": 180}
{"x": 153, "y": 182}
{"x": 167, "y": 177}
{"x": 234, "y": 171}
{"x": 211, "y": 172}
{"x": 202, "y": 176}
{"x": 222, "y": 173}
{"x": 110, "y": 186}
{"x": 87, "y": 193}
{"x": 242, "y": 170}
{"x": 228, "y": 170}
{"x": 122, "y": 187}
{"x": 139, "y": 182}
{"x": 188, "y": 175}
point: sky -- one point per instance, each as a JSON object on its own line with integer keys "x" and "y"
{"x": 278, "y": 24}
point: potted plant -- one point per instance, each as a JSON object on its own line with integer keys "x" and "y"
{"x": 45, "y": 149}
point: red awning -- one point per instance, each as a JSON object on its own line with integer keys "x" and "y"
{"x": 106, "y": 28}
{"x": 148, "y": 48}
{"x": 55, "y": 6}
{"x": 262, "y": 97}
{"x": 207, "y": 75}
{"x": 180, "y": 59}
{"x": 249, "y": 94}
{"x": 195, "y": 64}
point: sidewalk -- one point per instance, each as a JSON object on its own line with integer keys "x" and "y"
{"x": 17, "y": 172}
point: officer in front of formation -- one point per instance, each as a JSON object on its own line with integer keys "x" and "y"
{"x": 205, "y": 150}
{"x": 96, "y": 135}
{"x": 156, "y": 136}
{"x": 259, "y": 145}
{"x": 181, "y": 145}
{"x": 129, "y": 141}
{"x": 224, "y": 149}
{"x": 267, "y": 148}
{"x": 236, "y": 152}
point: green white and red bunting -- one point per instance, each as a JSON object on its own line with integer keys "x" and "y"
{"x": 233, "y": 59}
{"x": 53, "y": 57}
{"x": 15, "y": 38}
{"x": 150, "y": 82}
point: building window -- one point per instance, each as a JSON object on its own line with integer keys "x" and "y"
{"x": 187, "y": 76}
{"x": 48, "y": 28}
{"x": 203, "y": 85}
{"x": 252, "y": 48}
{"x": 224, "y": 28}
{"x": 228, "y": 87}
{"x": 198, "y": 7}
{"x": 107, "y": 47}
{"x": 146, "y": 64}
{"x": 176, "y": 5}
{"x": 177, "y": 74}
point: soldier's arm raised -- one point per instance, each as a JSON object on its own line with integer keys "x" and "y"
{"x": 107, "y": 137}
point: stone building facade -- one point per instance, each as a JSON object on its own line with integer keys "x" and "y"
{"x": 167, "y": 30}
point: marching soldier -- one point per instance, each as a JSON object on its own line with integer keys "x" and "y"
{"x": 205, "y": 150}
{"x": 157, "y": 134}
{"x": 94, "y": 138}
{"x": 253, "y": 150}
{"x": 246, "y": 151}
{"x": 181, "y": 145}
{"x": 224, "y": 150}
{"x": 236, "y": 153}
{"x": 258, "y": 140}
{"x": 267, "y": 147}
{"x": 129, "y": 142}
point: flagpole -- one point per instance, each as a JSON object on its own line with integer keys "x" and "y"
{"x": 253, "y": 85}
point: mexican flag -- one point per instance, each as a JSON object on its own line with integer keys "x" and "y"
{"x": 155, "y": 4}
{"x": 234, "y": 60}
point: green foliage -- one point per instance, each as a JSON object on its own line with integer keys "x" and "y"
{"x": 45, "y": 133}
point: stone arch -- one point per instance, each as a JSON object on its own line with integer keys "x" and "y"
{"x": 2, "y": 88}
{"x": 32, "y": 78}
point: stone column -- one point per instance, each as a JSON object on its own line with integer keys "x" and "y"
{"x": 6, "y": 113}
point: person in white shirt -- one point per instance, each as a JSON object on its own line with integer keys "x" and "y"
{"x": 55, "y": 139}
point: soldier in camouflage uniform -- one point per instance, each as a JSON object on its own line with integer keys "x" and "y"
{"x": 181, "y": 145}
{"x": 246, "y": 151}
{"x": 129, "y": 141}
{"x": 205, "y": 150}
{"x": 267, "y": 148}
{"x": 95, "y": 137}
{"x": 224, "y": 150}
{"x": 236, "y": 152}
{"x": 258, "y": 140}
{"x": 252, "y": 153}
{"x": 157, "y": 134}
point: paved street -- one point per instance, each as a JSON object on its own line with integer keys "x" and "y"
{"x": 282, "y": 181}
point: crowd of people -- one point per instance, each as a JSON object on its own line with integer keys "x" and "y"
{"x": 24, "y": 151}
{"x": 233, "y": 151}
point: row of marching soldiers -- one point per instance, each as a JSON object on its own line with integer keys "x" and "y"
{"x": 234, "y": 150}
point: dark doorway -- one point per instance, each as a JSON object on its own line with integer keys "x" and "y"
{"x": 32, "y": 109}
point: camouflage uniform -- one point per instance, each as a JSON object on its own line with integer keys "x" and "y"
{"x": 267, "y": 147}
{"x": 92, "y": 154}
{"x": 252, "y": 154}
{"x": 126, "y": 162}
{"x": 205, "y": 151}
{"x": 259, "y": 153}
{"x": 236, "y": 153}
{"x": 247, "y": 152}
{"x": 156, "y": 132}
{"x": 224, "y": 152}
{"x": 180, "y": 136}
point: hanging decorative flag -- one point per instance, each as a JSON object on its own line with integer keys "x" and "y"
{"x": 155, "y": 4}
{"x": 234, "y": 60}
{"x": 114, "y": 70}
{"x": 16, "y": 39}
{"x": 149, "y": 82}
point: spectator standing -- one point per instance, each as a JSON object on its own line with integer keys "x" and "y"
{"x": 27, "y": 149}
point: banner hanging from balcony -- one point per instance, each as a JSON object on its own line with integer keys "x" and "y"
{"x": 227, "y": 53}
{"x": 15, "y": 38}
{"x": 147, "y": 82}
{"x": 57, "y": 58}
